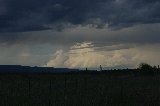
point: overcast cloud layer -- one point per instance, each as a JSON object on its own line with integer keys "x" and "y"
{"x": 79, "y": 33}
{"x": 32, "y": 15}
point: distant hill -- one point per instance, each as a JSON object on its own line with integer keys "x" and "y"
{"x": 28, "y": 69}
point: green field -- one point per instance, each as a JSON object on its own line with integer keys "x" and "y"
{"x": 79, "y": 90}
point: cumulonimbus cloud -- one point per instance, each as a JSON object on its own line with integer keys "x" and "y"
{"x": 86, "y": 57}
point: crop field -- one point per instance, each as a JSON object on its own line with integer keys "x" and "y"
{"x": 78, "y": 90}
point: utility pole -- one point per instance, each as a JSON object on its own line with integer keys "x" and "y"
{"x": 100, "y": 68}
{"x": 29, "y": 90}
{"x": 76, "y": 88}
{"x": 50, "y": 92}
{"x": 65, "y": 91}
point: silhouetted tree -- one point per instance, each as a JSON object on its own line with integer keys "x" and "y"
{"x": 146, "y": 69}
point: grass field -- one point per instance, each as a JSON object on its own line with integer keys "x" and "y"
{"x": 78, "y": 90}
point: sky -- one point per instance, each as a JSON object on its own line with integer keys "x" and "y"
{"x": 80, "y": 33}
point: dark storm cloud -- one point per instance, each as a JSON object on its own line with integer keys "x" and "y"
{"x": 33, "y": 15}
{"x": 29, "y": 15}
{"x": 138, "y": 34}
{"x": 124, "y": 13}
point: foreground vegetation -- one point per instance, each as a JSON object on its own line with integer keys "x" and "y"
{"x": 127, "y": 87}
{"x": 79, "y": 89}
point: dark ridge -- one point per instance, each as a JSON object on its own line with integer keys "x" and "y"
{"x": 28, "y": 69}
{"x": 18, "y": 69}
